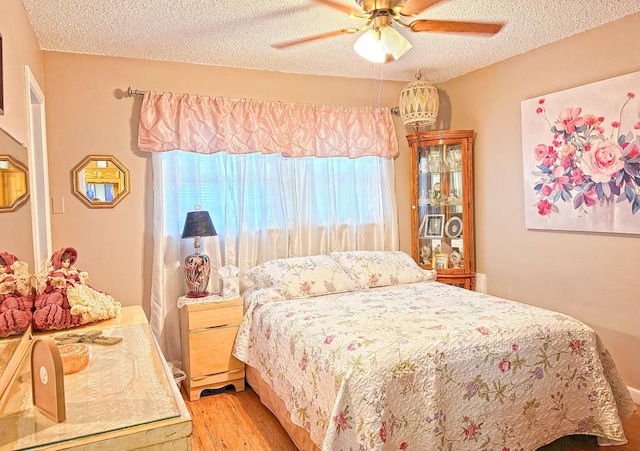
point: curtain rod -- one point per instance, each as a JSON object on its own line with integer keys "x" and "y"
{"x": 135, "y": 92}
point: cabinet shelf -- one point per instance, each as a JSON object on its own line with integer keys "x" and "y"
{"x": 442, "y": 209}
{"x": 442, "y": 172}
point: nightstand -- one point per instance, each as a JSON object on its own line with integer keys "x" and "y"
{"x": 208, "y": 332}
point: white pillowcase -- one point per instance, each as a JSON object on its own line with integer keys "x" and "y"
{"x": 302, "y": 276}
{"x": 382, "y": 268}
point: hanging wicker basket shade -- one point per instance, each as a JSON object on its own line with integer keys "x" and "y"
{"x": 419, "y": 103}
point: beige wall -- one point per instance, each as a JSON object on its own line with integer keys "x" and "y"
{"x": 19, "y": 48}
{"x": 591, "y": 276}
{"x": 87, "y": 114}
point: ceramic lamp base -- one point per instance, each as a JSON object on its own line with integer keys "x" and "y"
{"x": 196, "y": 275}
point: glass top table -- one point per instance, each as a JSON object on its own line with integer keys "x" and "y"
{"x": 124, "y": 385}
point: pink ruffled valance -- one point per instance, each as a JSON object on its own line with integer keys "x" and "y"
{"x": 238, "y": 126}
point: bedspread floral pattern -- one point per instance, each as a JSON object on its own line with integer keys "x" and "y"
{"x": 433, "y": 367}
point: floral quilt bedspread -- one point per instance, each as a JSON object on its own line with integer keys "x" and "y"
{"x": 428, "y": 366}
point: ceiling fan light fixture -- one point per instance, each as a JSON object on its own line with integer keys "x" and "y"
{"x": 393, "y": 43}
{"x": 369, "y": 47}
{"x": 378, "y": 42}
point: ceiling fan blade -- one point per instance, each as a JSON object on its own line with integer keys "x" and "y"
{"x": 455, "y": 27}
{"x": 413, "y": 7}
{"x": 329, "y": 34}
{"x": 342, "y": 7}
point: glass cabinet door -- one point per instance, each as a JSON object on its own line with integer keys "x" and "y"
{"x": 440, "y": 206}
{"x": 442, "y": 215}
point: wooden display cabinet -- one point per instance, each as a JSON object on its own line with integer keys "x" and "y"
{"x": 442, "y": 229}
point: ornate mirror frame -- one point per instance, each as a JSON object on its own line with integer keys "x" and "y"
{"x": 14, "y": 183}
{"x": 101, "y": 181}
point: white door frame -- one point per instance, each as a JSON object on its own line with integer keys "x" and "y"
{"x": 38, "y": 170}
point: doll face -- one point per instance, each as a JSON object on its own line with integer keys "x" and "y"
{"x": 65, "y": 259}
{"x": 3, "y": 268}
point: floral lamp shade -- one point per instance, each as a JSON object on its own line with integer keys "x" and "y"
{"x": 197, "y": 266}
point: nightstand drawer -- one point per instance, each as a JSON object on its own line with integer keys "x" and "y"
{"x": 217, "y": 379}
{"x": 210, "y": 351}
{"x": 201, "y": 319}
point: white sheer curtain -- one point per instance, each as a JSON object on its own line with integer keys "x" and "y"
{"x": 263, "y": 207}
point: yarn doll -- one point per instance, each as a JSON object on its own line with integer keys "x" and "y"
{"x": 16, "y": 295}
{"x": 64, "y": 297}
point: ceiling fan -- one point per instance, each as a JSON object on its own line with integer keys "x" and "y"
{"x": 382, "y": 43}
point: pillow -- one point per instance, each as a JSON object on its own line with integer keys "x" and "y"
{"x": 302, "y": 276}
{"x": 382, "y": 268}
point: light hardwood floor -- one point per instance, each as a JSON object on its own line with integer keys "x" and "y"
{"x": 233, "y": 421}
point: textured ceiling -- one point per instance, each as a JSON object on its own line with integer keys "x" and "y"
{"x": 239, "y": 33}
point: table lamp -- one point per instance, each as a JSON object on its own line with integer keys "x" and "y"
{"x": 196, "y": 266}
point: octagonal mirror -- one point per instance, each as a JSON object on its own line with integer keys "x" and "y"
{"x": 101, "y": 181}
{"x": 14, "y": 189}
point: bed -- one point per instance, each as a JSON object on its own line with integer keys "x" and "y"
{"x": 365, "y": 350}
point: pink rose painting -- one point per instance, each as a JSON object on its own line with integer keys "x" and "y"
{"x": 581, "y": 157}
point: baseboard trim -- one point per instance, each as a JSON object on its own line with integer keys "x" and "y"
{"x": 635, "y": 394}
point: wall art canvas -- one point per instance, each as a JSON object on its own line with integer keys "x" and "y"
{"x": 581, "y": 156}
{"x": 1, "y": 83}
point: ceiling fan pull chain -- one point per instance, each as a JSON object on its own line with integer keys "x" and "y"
{"x": 373, "y": 90}
{"x": 377, "y": 96}
{"x": 380, "y": 87}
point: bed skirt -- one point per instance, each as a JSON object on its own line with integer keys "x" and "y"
{"x": 268, "y": 397}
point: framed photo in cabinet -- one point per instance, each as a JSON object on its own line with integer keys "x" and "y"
{"x": 453, "y": 227}
{"x": 434, "y": 226}
{"x": 440, "y": 261}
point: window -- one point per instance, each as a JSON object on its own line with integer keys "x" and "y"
{"x": 253, "y": 193}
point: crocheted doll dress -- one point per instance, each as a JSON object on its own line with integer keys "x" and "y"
{"x": 16, "y": 295}
{"x": 64, "y": 297}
